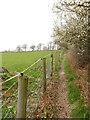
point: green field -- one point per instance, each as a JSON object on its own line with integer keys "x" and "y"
{"x": 20, "y": 61}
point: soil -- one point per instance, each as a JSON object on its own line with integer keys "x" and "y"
{"x": 57, "y": 105}
{"x": 63, "y": 106}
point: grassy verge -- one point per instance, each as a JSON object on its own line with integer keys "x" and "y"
{"x": 79, "y": 107}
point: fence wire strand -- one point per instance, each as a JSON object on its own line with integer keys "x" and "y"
{"x": 35, "y": 82}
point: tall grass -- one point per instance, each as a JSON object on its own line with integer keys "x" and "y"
{"x": 80, "y": 110}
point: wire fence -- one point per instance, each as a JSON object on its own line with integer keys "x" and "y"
{"x": 9, "y": 98}
{"x": 34, "y": 85}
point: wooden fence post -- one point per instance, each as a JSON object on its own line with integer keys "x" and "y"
{"x": 51, "y": 65}
{"x": 22, "y": 96}
{"x": 44, "y": 77}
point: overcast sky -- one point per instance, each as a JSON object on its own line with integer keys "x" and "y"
{"x": 25, "y": 21}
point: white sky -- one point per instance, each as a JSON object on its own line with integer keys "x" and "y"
{"x": 25, "y": 21}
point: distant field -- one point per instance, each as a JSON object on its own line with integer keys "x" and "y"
{"x": 20, "y": 61}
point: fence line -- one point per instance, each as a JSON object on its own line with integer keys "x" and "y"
{"x": 41, "y": 70}
{"x": 22, "y": 71}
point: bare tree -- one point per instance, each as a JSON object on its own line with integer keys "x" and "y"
{"x": 45, "y": 48}
{"x": 39, "y": 46}
{"x": 18, "y": 48}
{"x": 50, "y": 45}
{"x": 32, "y": 47}
{"x": 24, "y": 46}
{"x": 53, "y": 47}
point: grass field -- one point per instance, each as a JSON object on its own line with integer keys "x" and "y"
{"x": 20, "y": 61}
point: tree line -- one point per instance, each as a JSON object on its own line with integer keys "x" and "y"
{"x": 50, "y": 46}
{"x": 25, "y": 47}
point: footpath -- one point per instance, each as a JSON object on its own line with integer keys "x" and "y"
{"x": 63, "y": 106}
{"x": 57, "y": 105}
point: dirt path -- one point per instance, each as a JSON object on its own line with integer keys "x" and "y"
{"x": 57, "y": 98}
{"x": 63, "y": 107}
